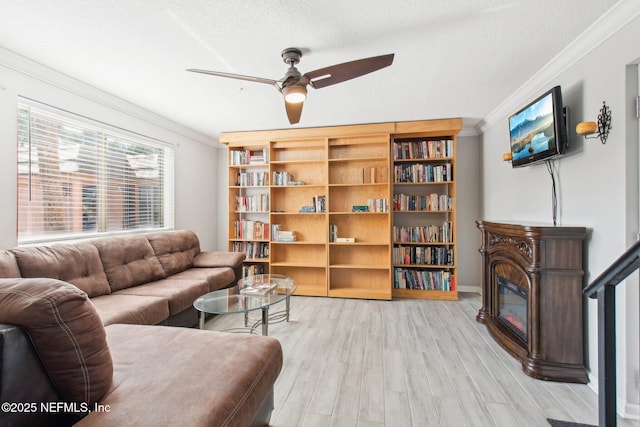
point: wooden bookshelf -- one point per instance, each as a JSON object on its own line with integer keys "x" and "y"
{"x": 351, "y": 170}
{"x": 359, "y": 177}
{"x": 424, "y": 249}
{"x": 249, "y": 206}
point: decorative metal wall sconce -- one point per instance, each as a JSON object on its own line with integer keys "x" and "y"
{"x": 597, "y": 130}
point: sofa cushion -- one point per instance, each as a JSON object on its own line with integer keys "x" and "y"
{"x": 128, "y": 261}
{"x": 8, "y": 265}
{"x": 66, "y": 332}
{"x": 218, "y": 278}
{"x": 78, "y": 264}
{"x": 179, "y": 293}
{"x": 134, "y": 309}
{"x": 175, "y": 249}
{"x": 222, "y": 378}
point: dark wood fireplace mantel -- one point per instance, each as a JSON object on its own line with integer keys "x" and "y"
{"x": 546, "y": 262}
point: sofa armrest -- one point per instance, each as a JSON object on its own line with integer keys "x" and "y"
{"x": 232, "y": 260}
{"x": 219, "y": 259}
{"x": 24, "y": 380}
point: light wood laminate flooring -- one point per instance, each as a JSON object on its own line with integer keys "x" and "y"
{"x": 407, "y": 362}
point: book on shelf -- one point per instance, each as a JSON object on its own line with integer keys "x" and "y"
{"x": 426, "y": 234}
{"x": 333, "y": 232}
{"x": 275, "y": 228}
{"x": 252, "y": 179}
{"x": 378, "y": 205}
{"x": 252, "y": 250}
{"x": 284, "y": 178}
{"x": 375, "y": 175}
{"x": 360, "y": 208}
{"x": 258, "y": 156}
{"x": 429, "y": 202}
{"x": 423, "y": 255}
{"x": 250, "y": 230}
{"x": 345, "y": 239}
{"x": 248, "y": 157}
{"x": 320, "y": 203}
{"x": 286, "y": 236}
{"x": 423, "y": 149}
{"x": 252, "y": 269}
{"x": 410, "y": 278}
{"x": 257, "y": 203}
{"x": 422, "y": 173}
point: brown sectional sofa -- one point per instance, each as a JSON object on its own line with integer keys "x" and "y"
{"x": 77, "y": 329}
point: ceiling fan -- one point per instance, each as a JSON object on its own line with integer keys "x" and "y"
{"x": 293, "y": 85}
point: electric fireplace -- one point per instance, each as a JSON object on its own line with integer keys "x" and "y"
{"x": 512, "y": 307}
{"x": 532, "y": 280}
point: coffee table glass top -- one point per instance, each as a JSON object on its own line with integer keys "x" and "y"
{"x": 251, "y": 293}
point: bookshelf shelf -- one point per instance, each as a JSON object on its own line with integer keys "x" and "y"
{"x": 418, "y": 160}
{"x": 347, "y": 174}
{"x": 359, "y": 159}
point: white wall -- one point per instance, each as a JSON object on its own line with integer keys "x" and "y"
{"x": 468, "y": 210}
{"x": 598, "y": 183}
{"x": 195, "y": 160}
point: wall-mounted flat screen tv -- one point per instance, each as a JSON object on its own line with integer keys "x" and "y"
{"x": 538, "y": 131}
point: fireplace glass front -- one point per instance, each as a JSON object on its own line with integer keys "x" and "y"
{"x": 512, "y": 307}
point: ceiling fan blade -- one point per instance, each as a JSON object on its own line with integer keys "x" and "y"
{"x": 236, "y": 76}
{"x": 294, "y": 111}
{"x": 348, "y": 70}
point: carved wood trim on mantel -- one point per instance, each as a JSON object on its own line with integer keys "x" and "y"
{"x": 522, "y": 245}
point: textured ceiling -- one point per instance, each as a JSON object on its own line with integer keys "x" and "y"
{"x": 453, "y": 58}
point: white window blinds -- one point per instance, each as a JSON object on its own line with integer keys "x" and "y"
{"x": 80, "y": 178}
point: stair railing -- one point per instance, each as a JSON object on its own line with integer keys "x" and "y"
{"x": 604, "y": 289}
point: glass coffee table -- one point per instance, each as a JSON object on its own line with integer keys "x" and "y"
{"x": 252, "y": 293}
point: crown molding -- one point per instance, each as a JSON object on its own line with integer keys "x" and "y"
{"x": 32, "y": 69}
{"x": 609, "y": 23}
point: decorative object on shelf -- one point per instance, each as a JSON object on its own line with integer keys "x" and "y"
{"x": 597, "y": 130}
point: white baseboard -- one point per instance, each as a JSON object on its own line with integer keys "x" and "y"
{"x": 624, "y": 409}
{"x": 474, "y": 289}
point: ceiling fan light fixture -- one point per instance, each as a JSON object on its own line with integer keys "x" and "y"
{"x": 294, "y": 93}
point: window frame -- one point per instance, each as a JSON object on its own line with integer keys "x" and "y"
{"x": 113, "y": 155}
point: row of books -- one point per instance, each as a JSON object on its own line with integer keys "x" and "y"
{"x": 252, "y": 179}
{"x": 257, "y": 203}
{"x": 285, "y": 236}
{"x": 333, "y": 232}
{"x": 252, "y": 249}
{"x": 408, "y": 278}
{"x": 284, "y": 178}
{"x": 378, "y": 205}
{"x": 320, "y": 203}
{"x": 422, "y": 255}
{"x": 250, "y": 230}
{"x": 427, "y": 234}
{"x": 422, "y": 173}
{"x": 430, "y": 202}
{"x": 425, "y": 149}
{"x": 278, "y": 234}
{"x": 248, "y": 157}
{"x": 252, "y": 269}
{"x": 375, "y": 175}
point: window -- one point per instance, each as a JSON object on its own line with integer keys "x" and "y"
{"x": 79, "y": 178}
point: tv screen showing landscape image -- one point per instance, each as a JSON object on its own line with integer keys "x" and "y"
{"x": 533, "y": 130}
